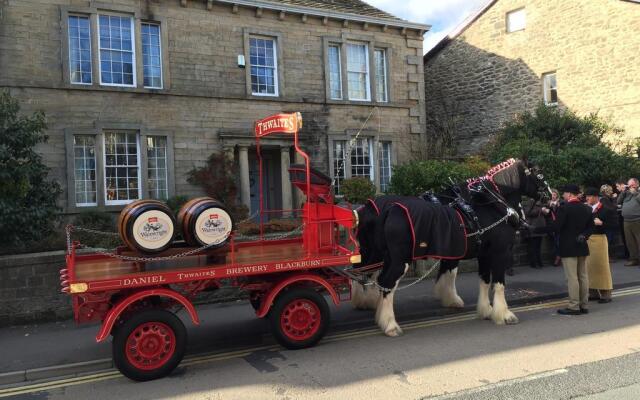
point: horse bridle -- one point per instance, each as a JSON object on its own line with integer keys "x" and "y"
{"x": 545, "y": 188}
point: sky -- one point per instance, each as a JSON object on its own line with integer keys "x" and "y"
{"x": 442, "y": 15}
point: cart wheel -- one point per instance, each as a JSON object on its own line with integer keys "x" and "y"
{"x": 299, "y": 318}
{"x": 149, "y": 345}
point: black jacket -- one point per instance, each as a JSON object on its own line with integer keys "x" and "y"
{"x": 608, "y": 217}
{"x": 572, "y": 221}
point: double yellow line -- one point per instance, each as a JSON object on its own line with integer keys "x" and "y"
{"x": 195, "y": 360}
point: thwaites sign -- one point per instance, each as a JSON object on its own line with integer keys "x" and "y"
{"x": 279, "y": 123}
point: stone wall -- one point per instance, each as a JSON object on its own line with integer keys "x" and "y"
{"x": 30, "y": 289}
{"x": 485, "y": 75}
{"x": 205, "y": 94}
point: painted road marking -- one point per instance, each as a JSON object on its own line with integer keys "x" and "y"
{"x": 113, "y": 374}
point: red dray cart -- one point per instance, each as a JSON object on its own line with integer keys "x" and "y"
{"x": 135, "y": 298}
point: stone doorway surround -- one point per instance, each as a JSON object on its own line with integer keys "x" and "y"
{"x": 237, "y": 146}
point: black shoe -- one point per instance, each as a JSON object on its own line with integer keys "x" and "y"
{"x": 584, "y": 310}
{"x": 593, "y": 298}
{"x": 603, "y": 301}
{"x": 568, "y": 311}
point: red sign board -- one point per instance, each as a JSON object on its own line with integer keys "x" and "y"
{"x": 279, "y": 123}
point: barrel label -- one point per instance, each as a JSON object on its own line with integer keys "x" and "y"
{"x": 153, "y": 229}
{"x": 213, "y": 226}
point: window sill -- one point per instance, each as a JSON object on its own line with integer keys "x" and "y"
{"x": 364, "y": 102}
{"x": 112, "y": 88}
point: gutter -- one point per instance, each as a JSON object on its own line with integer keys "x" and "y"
{"x": 293, "y": 9}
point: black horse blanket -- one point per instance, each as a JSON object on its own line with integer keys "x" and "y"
{"x": 437, "y": 231}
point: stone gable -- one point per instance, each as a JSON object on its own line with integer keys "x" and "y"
{"x": 484, "y": 76}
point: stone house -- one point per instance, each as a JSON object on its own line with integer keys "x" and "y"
{"x": 139, "y": 92}
{"x": 513, "y": 54}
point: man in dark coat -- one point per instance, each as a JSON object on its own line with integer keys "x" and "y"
{"x": 574, "y": 224}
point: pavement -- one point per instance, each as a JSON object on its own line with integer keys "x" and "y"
{"x": 34, "y": 352}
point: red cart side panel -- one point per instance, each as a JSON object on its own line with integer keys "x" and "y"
{"x": 266, "y": 304}
{"x": 213, "y": 272}
{"x": 115, "y": 312}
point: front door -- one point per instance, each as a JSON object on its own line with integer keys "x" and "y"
{"x": 270, "y": 173}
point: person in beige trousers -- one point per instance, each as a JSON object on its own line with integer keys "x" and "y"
{"x": 574, "y": 225}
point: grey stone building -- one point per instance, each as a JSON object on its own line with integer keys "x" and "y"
{"x": 138, "y": 92}
{"x": 513, "y": 54}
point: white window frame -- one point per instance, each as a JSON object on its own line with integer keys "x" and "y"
{"x": 70, "y": 49}
{"x": 275, "y": 66}
{"x": 104, "y": 168}
{"x": 335, "y": 163}
{"x": 385, "y": 75}
{"x": 133, "y": 49}
{"x": 372, "y": 159}
{"x": 546, "y": 88}
{"x": 159, "y": 49}
{"x": 514, "y": 13}
{"x": 388, "y": 165}
{"x": 339, "y": 48}
{"x": 368, "y": 72}
{"x": 166, "y": 167}
{"x": 347, "y": 172}
{"x": 95, "y": 171}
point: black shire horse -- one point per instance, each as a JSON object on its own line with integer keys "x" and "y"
{"x": 409, "y": 228}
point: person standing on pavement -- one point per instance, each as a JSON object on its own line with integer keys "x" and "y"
{"x": 631, "y": 215}
{"x": 598, "y": 267}
{"x": 534, "y": 217}
{"x": 574, "y": 224}
{"x": 550, "y": 212}
{"x": 621, "y": 188}
{"x": 608, "y": 200}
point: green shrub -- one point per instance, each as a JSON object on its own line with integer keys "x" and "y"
{"x": 28, "y": 209}
{"x": 98, "y": 221}
{"x": 417, "y": 177}
{"x": 357, "y": 190}
{"x": 569, "y": 148}
{"x": 176, "y": 202}
{"x": 218, "y": 179}
{"x": 476, "y": 166}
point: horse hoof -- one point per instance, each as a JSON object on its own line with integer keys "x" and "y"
{"x": 394, "y": 332}
{"x": 485, "y": 312}
{"x": 508, "y": 318}
{"x": 454, "y": 303}
{"x": 511, "y": 319}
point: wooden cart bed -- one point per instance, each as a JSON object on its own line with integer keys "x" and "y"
{"x": 101, "y": 272}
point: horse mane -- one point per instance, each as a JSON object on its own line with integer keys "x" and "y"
{"x": 504, "y": 174}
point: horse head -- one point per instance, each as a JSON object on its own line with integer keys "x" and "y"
{"x": 533, "y": 183}
{"x": 519, "y": 177}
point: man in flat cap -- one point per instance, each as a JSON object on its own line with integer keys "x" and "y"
{"x": 574, "y": 224}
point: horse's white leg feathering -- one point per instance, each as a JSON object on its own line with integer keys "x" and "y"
{"x": 501, "y": 314}
{"x": 385, "y": 316}
{"x": 484, "y": 307}
{"x": 445, "y": 289}
{"x": 365, "y": 298}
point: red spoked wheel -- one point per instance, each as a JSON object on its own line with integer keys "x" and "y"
{"x": 299, "y": 318}
{"x": 149, "y": 345}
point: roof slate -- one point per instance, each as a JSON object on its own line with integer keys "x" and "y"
{"x": 343, "y": 6}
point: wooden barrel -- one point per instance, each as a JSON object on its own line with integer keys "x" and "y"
{"x": 147, "y": 226}
{"x": 205, "y": 221}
